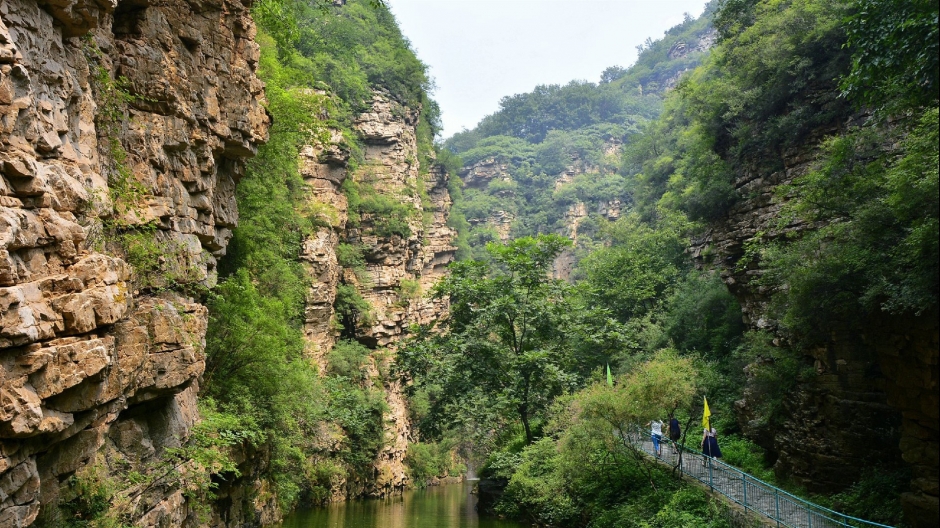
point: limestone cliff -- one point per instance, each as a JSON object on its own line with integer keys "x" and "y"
{"x": 124, "y": 126}
{"x": 478, "y": 176}
{"x": 873, "y": 398}
{"x": 609, "y": 210}
{"x": 398, "y": 270}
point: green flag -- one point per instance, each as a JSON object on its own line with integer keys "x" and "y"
{"x": 610, "y": 379}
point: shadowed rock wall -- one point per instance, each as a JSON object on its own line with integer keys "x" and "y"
{"x": 873, "y": 399}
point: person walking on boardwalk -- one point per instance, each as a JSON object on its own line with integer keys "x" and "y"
{"x": 656, "y": 432}
{"x": 710, "y": 444}
{"x": 709, "y": 435}
{"x": 675, "y": 432}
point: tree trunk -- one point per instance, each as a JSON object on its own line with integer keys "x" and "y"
{"x": 524, "y": 408}
{"x": 524, "y": 414}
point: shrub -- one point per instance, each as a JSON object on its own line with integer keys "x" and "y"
{"x": 747, "y": 456}
{"x": 351, "y": 309}
{"x": 347, "y": 359}
{"x": 427, "y": 460}
{"x": 875, "y": 497}
{"x": 409, "y": 290}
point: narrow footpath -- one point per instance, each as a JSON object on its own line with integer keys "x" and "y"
{"x": 775, "y": 505}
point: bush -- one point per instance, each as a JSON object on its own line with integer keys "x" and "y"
{"x": 703, "y": 316}
{"x": 875, "y": 497}
{"x": 772, "y": 371}
{"x": 360, "y": 412}
{"x": 536, "y": 490}
{"x": 347, "y": 359}
{"x": 350, "y": 256}
{"x": 351, "y": 309}
{"x": 387, "y": 216}
{"x": 429, "y": 460}
{"x": 746, "y": 456}
{"x": 409, "y": 290}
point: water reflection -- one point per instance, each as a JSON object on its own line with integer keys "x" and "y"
{"x": 450, "y": 506}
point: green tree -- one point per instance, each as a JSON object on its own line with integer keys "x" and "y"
{"x": 894, "y": 46}
{"x": 642, "y": 263}
{"x": 502, "y": 342}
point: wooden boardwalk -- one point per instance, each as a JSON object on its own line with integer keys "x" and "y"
{"x": 779, "y": 507}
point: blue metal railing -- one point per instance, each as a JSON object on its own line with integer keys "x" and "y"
{"x": 753, "y": 494}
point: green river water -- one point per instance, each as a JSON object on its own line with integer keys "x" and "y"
{"x": 449, "y": 506}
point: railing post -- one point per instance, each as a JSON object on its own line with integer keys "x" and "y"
{"x": 744, "y": 483}
{"x": 777, "y": 506}
{"x": 711, "y": 477}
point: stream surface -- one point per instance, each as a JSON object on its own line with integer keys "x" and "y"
{"x": 447, "y": 506}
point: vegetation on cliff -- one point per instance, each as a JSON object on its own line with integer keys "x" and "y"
{"x": 516, "y": 367}
{"x": 577, "y": 129}
{"x": 321, "y": 64}
{"x": 782, "y": 76}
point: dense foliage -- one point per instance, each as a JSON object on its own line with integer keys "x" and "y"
{"x": 537, "y": 137}
{"x": 851, "y": 86}
{"x": 506, "y": 350}
{"x": 882, "y": 254}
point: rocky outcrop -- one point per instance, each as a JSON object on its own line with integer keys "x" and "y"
{"x": 323, "y": 168}
{"x": 499, "y": 221}
{"x": 392, "y": 170}
{"x": 873, "y": 398}
{"x": 610, "y": 210}
{"x": 681, "y": 49}
{"x": 397, "y": 271}
{"x": 703, "y": 43}
{"x": 115, "y": 196}
{"x": 481, "y": 173}
{"x": 478, "y": 176}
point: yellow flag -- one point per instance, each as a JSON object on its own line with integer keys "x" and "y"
{"x": 706, "y": 415}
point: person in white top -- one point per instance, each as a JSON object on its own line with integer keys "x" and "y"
{"x": 656, "y": 431}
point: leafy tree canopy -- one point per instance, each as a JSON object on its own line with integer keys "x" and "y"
{"x": 506, "y": 341}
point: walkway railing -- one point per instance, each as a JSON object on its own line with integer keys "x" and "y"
{"x": 746, "y": 490}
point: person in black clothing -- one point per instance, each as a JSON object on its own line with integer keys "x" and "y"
{"x": 675, "y": 432}
{"x": 710, "y": 447}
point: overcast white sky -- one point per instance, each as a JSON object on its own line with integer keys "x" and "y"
{"x": 481, "y": 50}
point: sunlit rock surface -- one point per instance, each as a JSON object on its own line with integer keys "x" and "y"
{"x": 93, "y": 366}
{"x": 390, "y": 166}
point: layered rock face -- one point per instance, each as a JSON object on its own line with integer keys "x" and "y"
{"x": 681, "y": 49}
{"x": 874, "y": 397}
{"x": 99, "y": 359}
{"x": 399, "y": 271}
{"x": 392, "y": 169}
{"x": 610, "y": 210}
{"x": 478, "y": 176}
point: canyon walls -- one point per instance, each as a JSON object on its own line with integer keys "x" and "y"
{"x": 124, "y": 127}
